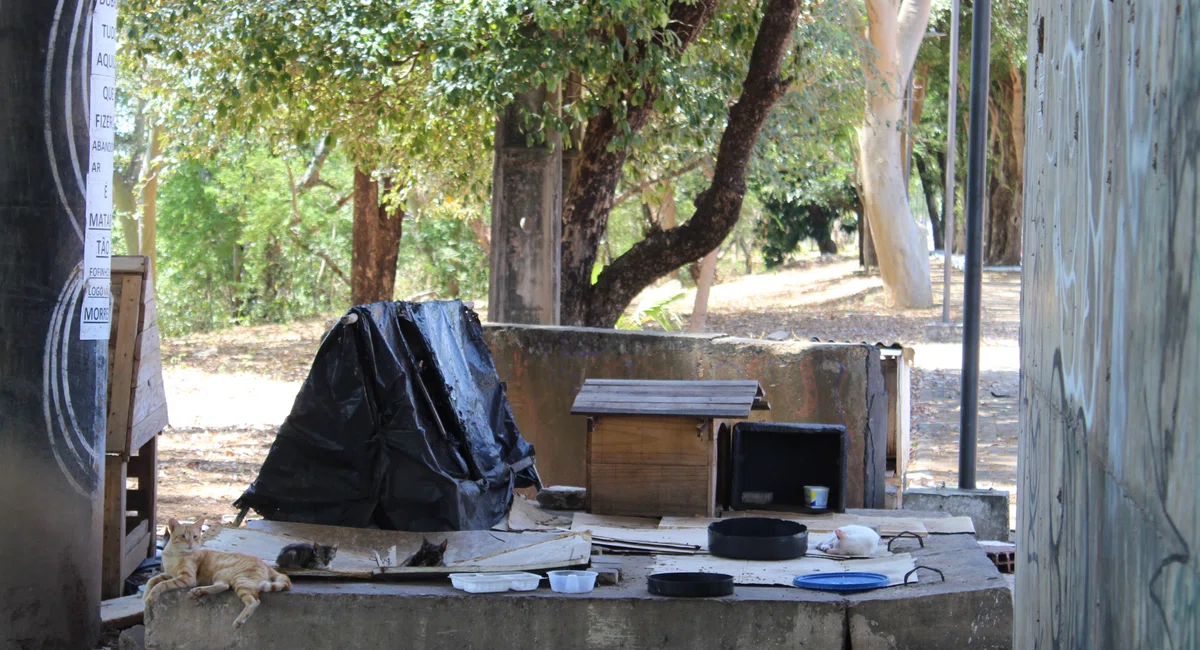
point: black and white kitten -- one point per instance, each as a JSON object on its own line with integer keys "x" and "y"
{"x": 306, "y": 556}
{"x": 428, "y": 554}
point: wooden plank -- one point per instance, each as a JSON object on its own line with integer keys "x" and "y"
{"x": 680, "y": 410}
{"x": 587, "y": 521}
{"x": 145, "y": 467}
{"x": 623, "y": 398}
{"x": 638, "y": 392}
{"x": 674, "y": 382}
{"x": 150, "y": 426}
{"x": 121, "y": 613}
{"x": 653, "y": 389}
{"x": 137, "y": 536}
{"x": 650, "y": 440}
{"x": 122, "y": 360}
{"x": 112, "y": 552}
{"x": 149, "y": 355}
{"x": 132, "y": 264}
{"x": 147, "y": 398}
{"x": 649, "y": 489}
{"x": 134, "y": 549}
{"x": 149, "y": 311}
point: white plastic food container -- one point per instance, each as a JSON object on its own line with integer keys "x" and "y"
{"x": 491, "y": 583}
{"x": 572, "y": 582}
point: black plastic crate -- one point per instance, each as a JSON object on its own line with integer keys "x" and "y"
{"x": 782, "y": 458}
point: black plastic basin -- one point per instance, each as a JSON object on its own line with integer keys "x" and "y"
{"x": 757, "y": 538}
{"x": 690, "y": 585}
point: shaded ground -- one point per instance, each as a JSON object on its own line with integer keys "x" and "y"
{"x": 228, "y": 391}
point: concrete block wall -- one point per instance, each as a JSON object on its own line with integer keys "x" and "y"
{"x": 1109, "y": 509}
{"x": 805, "y": 382}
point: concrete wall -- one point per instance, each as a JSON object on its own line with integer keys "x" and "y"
{"x": 1109, "y": 511}
{"x": 805, "y": 382}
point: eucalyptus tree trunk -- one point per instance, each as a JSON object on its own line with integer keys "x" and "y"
{"x": 895, "y": 31}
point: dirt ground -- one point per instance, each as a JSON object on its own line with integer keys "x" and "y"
{"x": 228, "y": 391}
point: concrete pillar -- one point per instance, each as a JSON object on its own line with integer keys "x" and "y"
{"x": 526, "y": 219}
{"x": 1108, "y": 527}
{"x": 52, "y": 384}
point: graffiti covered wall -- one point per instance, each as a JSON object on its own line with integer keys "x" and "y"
{"x": 1109, "y": 513}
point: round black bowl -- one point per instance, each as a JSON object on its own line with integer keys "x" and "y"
{"x": 690, "y": 585}
{"x": 757, "y": 538}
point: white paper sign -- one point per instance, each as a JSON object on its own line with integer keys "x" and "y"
{"x": 96, "y": 308}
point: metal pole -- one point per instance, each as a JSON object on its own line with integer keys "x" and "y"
{"x": 53, "y": 399}
{"x": 981, "y": 34}
{"x": 948, "y": 196}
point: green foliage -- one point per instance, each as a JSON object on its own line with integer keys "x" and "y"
{"x": 233, "y": 251}
{"x": 654, "y": 307}
{"x": 812, "y": 212}
{"x": 439, "y": 252}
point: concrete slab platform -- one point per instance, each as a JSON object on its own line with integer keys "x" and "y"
{"x": 973, "y": 606}
{"x": 986, "y": 507}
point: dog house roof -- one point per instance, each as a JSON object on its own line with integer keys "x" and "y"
{"x": 668, "y": 398}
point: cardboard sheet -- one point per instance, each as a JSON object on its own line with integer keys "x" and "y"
{"x": 467, "y": 551}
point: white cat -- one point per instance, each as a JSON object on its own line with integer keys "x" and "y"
{"x": 853, "y": 540}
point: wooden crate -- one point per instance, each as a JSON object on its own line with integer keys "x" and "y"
{"x": 652, "y": 446}
{"x": 137, "y": 412}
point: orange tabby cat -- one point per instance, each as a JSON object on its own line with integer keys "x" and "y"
{"x": 185, "y": 565}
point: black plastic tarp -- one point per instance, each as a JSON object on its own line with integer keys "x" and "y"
{"x": 402, "y": 424}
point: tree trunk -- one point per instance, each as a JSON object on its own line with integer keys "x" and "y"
{"x": 916, "y": 107}
{"x": 377, "y": 228}
{"x": 668, "y": 215}
{"x": 747, "y": 254}
{"x": 718, "y": 207}
{"x": 929, "y": 185}
{"x": 148, "y": 245}
{"x": 572, "y": 90}
{"x": 1005, "y": 182}
{"x": 590, "y": 198}
{"x": 708, "y": 270}
{"x": 904, "y": 260}
{"x": 867, "y": 258}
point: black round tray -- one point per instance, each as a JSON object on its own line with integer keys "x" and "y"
{"x": 690, "y": 585}
{"x": 757, "y": 538}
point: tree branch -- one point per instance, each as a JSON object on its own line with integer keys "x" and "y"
{"x": 718, "y": 207}
{"x": 312, "y": 175}
{"x": 303, "y": 245}
{"x": 589, "y": 202}
{"x": 911, "y": 25}
{"x": 297, "y": 220}
{"x": 634, "y": 191}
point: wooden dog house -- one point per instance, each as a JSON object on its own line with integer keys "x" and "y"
{"x": 652, "y": 446}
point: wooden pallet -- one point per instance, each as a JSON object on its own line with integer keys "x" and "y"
{"x": 137, "y": 413}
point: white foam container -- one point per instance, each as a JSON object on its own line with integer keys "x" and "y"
{"x": 572, "y": 582}
{"x": 492, "y": 583}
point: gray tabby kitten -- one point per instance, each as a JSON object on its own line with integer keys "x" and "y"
{"x": 306, "y": 556}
